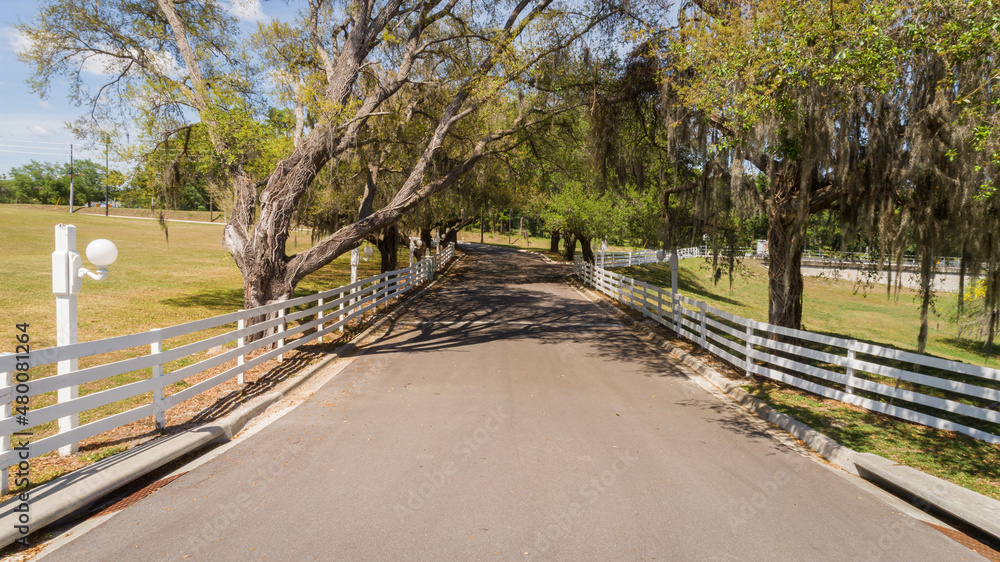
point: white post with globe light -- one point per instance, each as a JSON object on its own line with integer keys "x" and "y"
{"x": 67, "y": 279}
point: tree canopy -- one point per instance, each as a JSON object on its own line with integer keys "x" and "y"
{"x": 466, "y": 73}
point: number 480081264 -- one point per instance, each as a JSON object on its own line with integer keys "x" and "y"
{"x": 22, "y": 350}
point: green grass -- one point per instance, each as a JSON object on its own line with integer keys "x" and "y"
{"x": 834, "y": 308}
{"x": 532, "y": 243}
{"x": 957, "y": 458}
{"x": 155, "y": 283}
{"x": 829, "y": 307}
{"x": 201, "y": 216}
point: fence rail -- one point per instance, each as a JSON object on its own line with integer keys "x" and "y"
{"x": 310, "y": 317}
{"x": 847, "y": 259}
{"x": 935, "y": 392}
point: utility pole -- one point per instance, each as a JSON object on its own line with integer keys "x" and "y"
{"x": 71, "y": 179}
{"x": 107, "y": 149}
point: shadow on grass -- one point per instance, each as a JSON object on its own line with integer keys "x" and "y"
{"x": 955, "y": 457}
{"x": 687, "y": 284}
{"x": 976, "y": 348}
{"x": 217, "y": 300}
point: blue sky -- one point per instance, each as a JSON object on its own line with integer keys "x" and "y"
{"x": 32, "y": 128}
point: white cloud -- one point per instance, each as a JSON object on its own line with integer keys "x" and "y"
{"x": 45, "y": 104}
{"x": 247, "y": 10}
{"x": 167, "y": 64}
{"x": 16, "y": 41}
{"x": 40, "y": 131}
{"x": 102, "y": 65}
{"x": 99, "y": 64}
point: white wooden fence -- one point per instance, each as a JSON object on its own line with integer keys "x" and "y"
{"x": 322, "y": 313}
{"x": 939, "y": 393}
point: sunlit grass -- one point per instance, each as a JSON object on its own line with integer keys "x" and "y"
{"x": 160, "y": 279}
{"x": 829, "y": 307}
{"x": 954, "y": 457}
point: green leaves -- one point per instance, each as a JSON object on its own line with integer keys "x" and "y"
{"x": 48, "y": 183}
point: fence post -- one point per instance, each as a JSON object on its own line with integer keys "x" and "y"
{"x": 704, "y": 336}
{"x": 341, "y": 319}
{"x": 160, "y": 409}
{"x": 630, "y": 258}
{"x": 675, "y": 307}
{"x": 748, "y": 348}
{"x": 6, "y": 392}
{"x": 659, "y": 304}
{"x": 320, "y": 315}
{"x": 281, "y": 330}
{"x": 851, "y": 345}
{"x": 240, "y": 341}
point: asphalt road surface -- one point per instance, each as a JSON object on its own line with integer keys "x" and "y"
{"x": 505, "y": 417}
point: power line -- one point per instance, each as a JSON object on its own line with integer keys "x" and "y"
{"x": 34, "y": 141}
{"x": 25, "y": 152}
{"x": 30, "y": 147}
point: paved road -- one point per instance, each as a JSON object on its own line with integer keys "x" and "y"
{"x": 508, "y": 418}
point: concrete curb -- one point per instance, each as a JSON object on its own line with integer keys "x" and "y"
{"x": 81, "y": 488}
{"x": 973, "y": 509}
{"x": 62, "y": 496}
{"x": 963, "y": 504}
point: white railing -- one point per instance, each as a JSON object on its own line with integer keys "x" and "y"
{"x": 859, "y": 258}
{"x": 948, "y": 395}
{"x": 318, "y": 314}
{"x": 640, "y": 257}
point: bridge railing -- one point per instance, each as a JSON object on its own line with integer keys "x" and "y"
{"x": 935, "y": 392}
{"x": 160, "y": 359}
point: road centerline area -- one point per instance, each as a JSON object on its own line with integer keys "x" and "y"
{"x": 465, "y": 433}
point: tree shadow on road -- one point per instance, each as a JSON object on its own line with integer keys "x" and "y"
{"x": 501, "y": 295}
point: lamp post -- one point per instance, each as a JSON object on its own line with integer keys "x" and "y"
{"x": 67, "y": 279}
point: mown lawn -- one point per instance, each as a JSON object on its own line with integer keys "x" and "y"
{"x": 538, "y": 244}
{"x": 834, "y": 307}
{"x": 829, "y": 307}
{"x": 160, "y": 279}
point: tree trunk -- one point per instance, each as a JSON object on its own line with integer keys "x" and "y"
{"x": 569, "y": 252}
{"x": 926, "y": 292}
{"x": 261, "y": 289}
{"x": 482, "y": 226}
{"x": 784, "y": 274}
{"x": 554, "y": 242}
{"x": 425, "y": 238}
{"x": 386, "y": 245}
{"x": 456, "y": 226}
{"x": 992, "y": 279}
{"x": 961, "y": 283}
{"x": 588, "y": 253}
